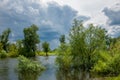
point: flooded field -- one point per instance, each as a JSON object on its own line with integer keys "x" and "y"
{"x": 8, "y": 71}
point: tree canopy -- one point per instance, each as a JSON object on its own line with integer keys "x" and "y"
{"x": 45, "y": 46}
{"x": 4, "y": 38}
{"x": 31, "y": 38}
{"x": 84, "y": 43}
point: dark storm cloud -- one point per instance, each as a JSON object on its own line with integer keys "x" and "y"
{"x": 113, "y": 15}
{"x": 53, "y": 19}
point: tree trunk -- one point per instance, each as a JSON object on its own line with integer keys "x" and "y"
{"x": 46, "y": 54}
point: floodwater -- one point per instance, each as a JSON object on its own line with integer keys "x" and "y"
{"x": 8, "y": 71}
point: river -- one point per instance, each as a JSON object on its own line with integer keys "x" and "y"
{"x": 8, "y": 70}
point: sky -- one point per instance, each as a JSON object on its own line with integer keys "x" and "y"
{"x": 55, "y": 17}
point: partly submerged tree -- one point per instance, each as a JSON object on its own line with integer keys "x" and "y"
{"x": 45, "y": 46}
{"x": 85, "y": 44}
{"x": 63, "y": 60}
{"x": 4, "y": 38}
{"x": 31, "y": 38}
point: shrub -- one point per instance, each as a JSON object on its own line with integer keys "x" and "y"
{"x": 64, "y": 60}
{"x": 12, "y": 54}
{"x": 13, "y": 50}
{"x": 3, "y": 54}
{"x": 107, "y": 65}
{"x": 29, "y": 66}
{"x": 113, "y": 78}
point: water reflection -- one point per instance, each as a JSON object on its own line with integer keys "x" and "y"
{"x": 7, "y": 69}
{"x": 8, "y": 66}
{"x": 28, "y": 76}
{"x": 49, "y": 63}
{"x": 72, "y": 75}
{"x": 4, "y": 70}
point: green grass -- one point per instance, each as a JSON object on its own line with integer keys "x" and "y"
{"x": 113, "y": 78}
{"x": 44, "y": 54}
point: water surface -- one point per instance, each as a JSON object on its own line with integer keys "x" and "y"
{"x": 8, "y": 71}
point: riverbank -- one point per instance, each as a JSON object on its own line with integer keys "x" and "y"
{"x": 44, "y": 54}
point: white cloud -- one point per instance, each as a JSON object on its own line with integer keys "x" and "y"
{"x": 91, "y": 8}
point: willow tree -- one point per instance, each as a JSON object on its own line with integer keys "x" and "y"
{"x": 31, "y": 39}
{"x": 85, "y": 44}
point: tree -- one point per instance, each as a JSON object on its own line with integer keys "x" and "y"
{"x": 13, "y": 50}
{"x": 45, "y": 46}
{"x": 85, "y": 44}
{"x": 63, "y": 59}
{"x": 1, "y": 47}
{"x": 62, "y": 39}
{"x": 30, "y": 40}
{"x": 77, "y": 44}
{"x": 4, "y": 39}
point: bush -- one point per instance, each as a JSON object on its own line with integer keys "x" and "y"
{"x": 64, "y": 59}
{"x": 107, "y": 65}
{"x": 3, "y": 54}
{"x": 13, "y": 54}
{"x": 114, "y": 65}
{"x": 100, "y": 68}
{"x": 113, "y": 78}
{"x": 13, "y": 50}
{"x": 29, "y": 66}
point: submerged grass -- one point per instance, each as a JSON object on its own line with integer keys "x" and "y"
{"x": 26, "y": 65}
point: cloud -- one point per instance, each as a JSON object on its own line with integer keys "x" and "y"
{"x": 52, "y": 18}
{"x": 113, "y": 14}
{"x": 113, "y": 22}
{"x": 114, "y": 31}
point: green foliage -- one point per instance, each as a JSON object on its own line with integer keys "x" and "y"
{"x": 41, "y": 53}
{"x": 1, "y": 46}
{"x": 114, "y": 65}
{"x": 13, "y": 50}
{"x": 85, "y": 44}
{"x": 4, "y": 39}
{"x": 28, "y": 76}
{"x": 45, "y": 46}
{"x": 29, "y": 66}
{"x": 28, "y": 69}
{"x": 64, "y": 59}
{"x": 114, "y": 78}
{"x": 3, "y": 54}
{"x": 115, "y": 46}
{"x": 62, "y": 39}
{"x": 31, "y": 38}
{"x": 101, "y": 67}
{"x": 107, "y": 64}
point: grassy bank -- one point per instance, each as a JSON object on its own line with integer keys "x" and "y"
{"x": 44, "y": 54}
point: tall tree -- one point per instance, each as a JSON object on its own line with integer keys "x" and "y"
{"x": 85, "y": 44}
{"x": 45, "y": 46}
{"x": 4, "y": 38}
{"x": 31, "y": 38}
